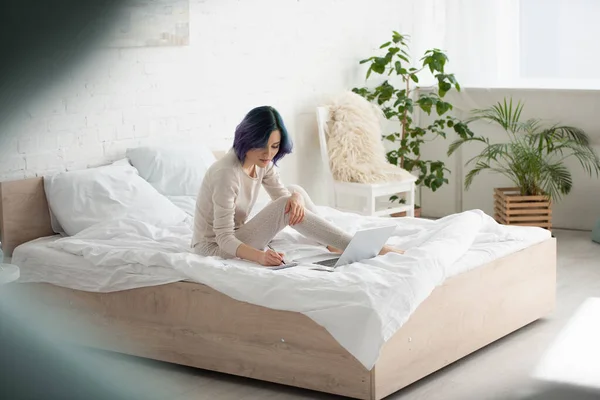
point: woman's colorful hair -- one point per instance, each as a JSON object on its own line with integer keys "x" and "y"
{"x": 254, "y": 132}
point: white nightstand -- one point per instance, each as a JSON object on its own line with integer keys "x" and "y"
{"x": 8, "y": 273}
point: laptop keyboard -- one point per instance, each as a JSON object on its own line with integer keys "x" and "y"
{"x": 329, "y": 262}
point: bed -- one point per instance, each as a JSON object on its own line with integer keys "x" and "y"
{"x": 183, "y": 322}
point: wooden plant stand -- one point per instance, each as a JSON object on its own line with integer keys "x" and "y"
{"x": 511, "y": 208}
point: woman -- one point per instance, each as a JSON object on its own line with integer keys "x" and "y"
{"x": 231, "y": 186}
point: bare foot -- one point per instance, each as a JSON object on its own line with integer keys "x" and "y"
{"x": 334, "y": 250}
{"x": 388, "y": 249}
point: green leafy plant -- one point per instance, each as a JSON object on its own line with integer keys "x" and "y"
{"x": 533, "y": 158}
{"x": 399, "y": 104}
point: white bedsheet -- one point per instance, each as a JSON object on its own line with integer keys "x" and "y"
{"x": 362, "y": 305}
{"x": 40, "y": 262}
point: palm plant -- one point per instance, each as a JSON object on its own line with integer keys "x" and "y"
{"x": 533, "y": 158}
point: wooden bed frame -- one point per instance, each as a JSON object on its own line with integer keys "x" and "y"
{"x": 194, "y": 325}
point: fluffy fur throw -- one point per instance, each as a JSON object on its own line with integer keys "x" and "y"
{"x": 356, "y": 152}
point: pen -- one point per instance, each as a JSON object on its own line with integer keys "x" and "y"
{"x": 269, "y": 246}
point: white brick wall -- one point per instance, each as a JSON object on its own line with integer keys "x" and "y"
{"x": 291, "y": 54}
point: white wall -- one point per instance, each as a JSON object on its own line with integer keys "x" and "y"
{"x": 579, "y": 210}
{"x": 495, "y": 45}
{"x": 291, "y": 54}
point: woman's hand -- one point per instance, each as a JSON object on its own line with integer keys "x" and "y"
{"x": 295, "y": 207}
{"x": 270, "y": 258}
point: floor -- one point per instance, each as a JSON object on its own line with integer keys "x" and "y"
{"x": 502, "y": 370}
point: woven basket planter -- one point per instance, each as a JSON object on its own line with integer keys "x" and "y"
{"x": 403, "y": 213}
{"x": 510, "y": 208}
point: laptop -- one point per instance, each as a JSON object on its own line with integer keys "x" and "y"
{"x": 365, "y": 244}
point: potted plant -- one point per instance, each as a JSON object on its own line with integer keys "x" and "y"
{"x": 399, "y": 104}
{"x": 532, "y": 158}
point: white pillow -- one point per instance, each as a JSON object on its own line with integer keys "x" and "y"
{"x": 54, "y": 221}
{"x": 172, "y": 170}
{"x": 80, "y": 199}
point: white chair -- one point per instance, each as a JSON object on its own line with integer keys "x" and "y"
{"x": 367, "y": 192}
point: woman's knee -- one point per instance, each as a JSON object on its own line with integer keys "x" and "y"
{"x": 307, "y": 200}
{"x": 278, "y": 207}
{"x": 281, "y": 202}
{"x": 298, "y": 189}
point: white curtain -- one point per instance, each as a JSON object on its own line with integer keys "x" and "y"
{"x": 513, "y": 43}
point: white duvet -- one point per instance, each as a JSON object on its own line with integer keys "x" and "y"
{"x": 362, "y": 305}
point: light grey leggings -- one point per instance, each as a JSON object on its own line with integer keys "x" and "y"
{"x": 272, "y": 219}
